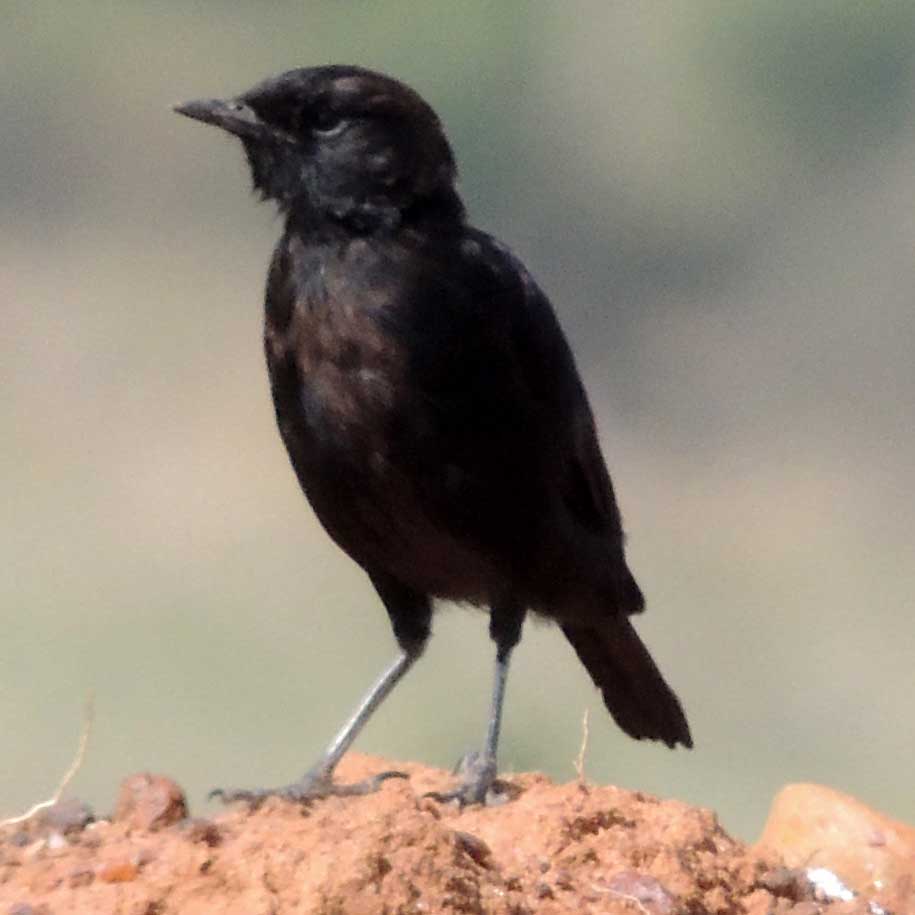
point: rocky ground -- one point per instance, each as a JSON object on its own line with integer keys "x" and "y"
{"x": 551, "y": 849}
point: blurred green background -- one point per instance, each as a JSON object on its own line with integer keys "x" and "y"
{"x": 720, "y": 199}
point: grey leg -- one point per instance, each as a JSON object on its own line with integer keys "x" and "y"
{"x": 410, "y": 616}
{"x": 350, "y": 731}
{"x": 478, "y": 770}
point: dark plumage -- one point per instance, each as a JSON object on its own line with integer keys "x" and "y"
{"x": 428, "y": 399}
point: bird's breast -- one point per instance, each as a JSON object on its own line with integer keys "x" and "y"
{"x": 336, "y": 377}
{"x": 354, "y": 429}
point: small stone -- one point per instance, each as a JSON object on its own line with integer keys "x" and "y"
{"x": 204, "y": 831}
{"x": 120, "y": 871}
{"x": 473, "y": 846}
{"x": 648, "y": 892}
{"x": 56, "y": 842}
{"x": 827, "y": 886}
{"x": 150, "y": 802}
{"x": 94, "y": 834}
{"x": 82, "y": 876}
{"x": 67, "y": 817}
{"x": 147, "y": 907}
{"x": 563, "y": 880}
{"x": 789, "y": 883}
{"x": 815, "y": 826}
{"x": 143, "y": 856}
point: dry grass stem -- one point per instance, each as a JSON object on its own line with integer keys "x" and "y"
{"x": 580, "y": 759}
{"x": 68, "y": 776}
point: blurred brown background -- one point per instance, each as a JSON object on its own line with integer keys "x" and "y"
{"x": 720, "y": 198}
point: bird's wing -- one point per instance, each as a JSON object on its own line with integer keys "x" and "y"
{"x": 546, "y": 369}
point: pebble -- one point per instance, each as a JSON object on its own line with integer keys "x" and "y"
{"x": 819, "y": 827}
{"x": 150, "y": 802}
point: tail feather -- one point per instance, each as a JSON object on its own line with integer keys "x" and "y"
{"x": 634, "y": 691}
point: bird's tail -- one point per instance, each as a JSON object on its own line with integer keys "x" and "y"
{"x": 634, "y": 691}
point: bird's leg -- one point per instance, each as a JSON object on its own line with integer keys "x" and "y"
{"x": 478, "y": 770}
{"x": 410, "y": 615}
{"x": 318, "y": 782}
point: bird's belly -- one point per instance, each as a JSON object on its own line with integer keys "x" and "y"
{"x": 355, "y": 441}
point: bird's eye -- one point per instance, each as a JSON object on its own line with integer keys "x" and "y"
{"x": 327, "y": 123}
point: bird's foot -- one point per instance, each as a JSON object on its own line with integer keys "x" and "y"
{"x": 313, "y": 786}
{"x": 478, "y": 785}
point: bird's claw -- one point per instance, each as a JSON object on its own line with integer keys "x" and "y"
{"x": 479, "y": 784}
{"x": 308, "y": 789}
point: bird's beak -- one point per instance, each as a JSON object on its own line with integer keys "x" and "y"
{"x": 231, "y": 115}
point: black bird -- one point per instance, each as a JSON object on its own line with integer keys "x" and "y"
{"x": 429, "y": 401}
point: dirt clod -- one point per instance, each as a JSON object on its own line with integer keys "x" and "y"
{"x": 150, "y": 802}
{"x": 476, "y": 848}
{"x": 200, "y": 830}
{"x": 553, "y": 850}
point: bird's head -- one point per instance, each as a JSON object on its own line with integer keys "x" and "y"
{"x": 339, "y": 142}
